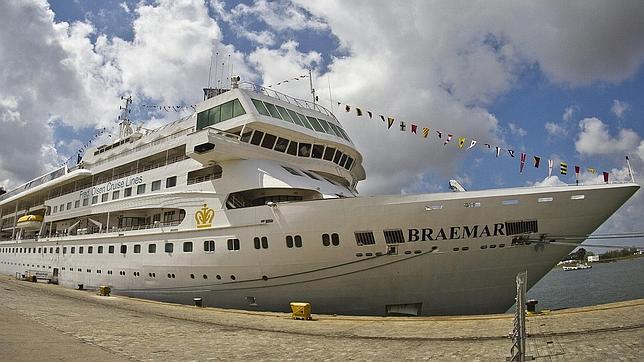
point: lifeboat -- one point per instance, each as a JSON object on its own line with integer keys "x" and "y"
{"x": 30, "y": 222}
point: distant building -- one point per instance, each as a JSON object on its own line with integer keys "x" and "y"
{"x": 593, "y": 258}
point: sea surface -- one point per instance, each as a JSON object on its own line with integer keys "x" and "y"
{"x": 604, "y": 283}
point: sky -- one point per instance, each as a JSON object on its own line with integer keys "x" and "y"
{"x": 558, "y": 80}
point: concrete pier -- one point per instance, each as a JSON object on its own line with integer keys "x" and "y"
{"x": 40, "y": 321}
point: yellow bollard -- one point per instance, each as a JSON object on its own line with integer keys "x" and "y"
{"x": 104, "y": 290}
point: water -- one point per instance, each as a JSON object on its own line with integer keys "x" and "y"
{"x": 604, "y": 283}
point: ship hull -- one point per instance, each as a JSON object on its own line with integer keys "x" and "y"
{"x": 457, "y": 255}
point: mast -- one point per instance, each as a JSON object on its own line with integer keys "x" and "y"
{"x": 311, "y": 85}
{"x": 125, "y": 127}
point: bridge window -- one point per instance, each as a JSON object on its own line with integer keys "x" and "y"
{"x": 220, "y": 113}
{"x": 261, "y": 108}
{"x": 364, "y": 238}
{"x": 328, "y": 153}
{"x": 257, "y": 138}
{"x": 292, "y": 148}
{"x": 318, "y": 151}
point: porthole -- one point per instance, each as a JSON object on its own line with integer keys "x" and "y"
{"x": 192, "y": 276}
{"x": 264, "y": 277}
{"x": 232, "y": 277}
{"x": 218, "y": 277}
{"x": 205, "y": 276}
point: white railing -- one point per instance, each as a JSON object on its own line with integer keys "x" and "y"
{"x": 286, "y": 98}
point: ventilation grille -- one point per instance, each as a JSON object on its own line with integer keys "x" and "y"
{"x": 365, "y": 238}
{"x": 521, "y": 227}
{"x": 394, "y": 236}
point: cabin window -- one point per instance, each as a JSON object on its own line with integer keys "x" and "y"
{"x": 123, "y": 249}
{"x": 156, "y": 185}
{"x": 152, "y": 248}
{"x": 257, "y": 138}
{"x": 245, "y": 137}
{"x": 94, "y": 201}
{"x": 69, "y": 206}
{"x": 55, "y": 208}
{"x": 80, "y": 250}
{"x": 336, "y": 158}
{"x": 137, "y": 248}
{"x": 269, "y": 141}
{"x": 226, "y": 111}
{"x": 256, "y": 242}
{"x": 90, "y": 249}
{"x": 100, "y": 249}
{"x": 304, "y": 150}
{"x": 127, "y": 192}
{"x": 349, "y": 163}
{"x": 281, "y": 145}
{"x": 328, "y": 153}
{"x": 335, "y": 239}
{"x": 289, "y": 241}
{"x": 343, "y": 160}
{"x": 73, "y": 250}
{"x": 85, "y": 202}
{"x": 209, "y": 246}
{"x": 76, "y": 204}
{"x": 326, "y": 240}
{"x": 171, "y": 182}
{"x": 292, "y": 148}
{"x": 140, "y": 189}
{"x": 187, "y": 247}
{"x": 318, "y": 151}
{"x": 110, "y": 249}
{"x": 233, "y": 244}
{"x": 116, "y": 195}
{"x": 169, "y": 247}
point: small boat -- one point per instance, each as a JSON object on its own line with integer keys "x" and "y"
{"x": 30, "y": 222}
{"x": 577, "y": 267}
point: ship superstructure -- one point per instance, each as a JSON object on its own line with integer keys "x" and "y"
{"x": 251, "y": 202}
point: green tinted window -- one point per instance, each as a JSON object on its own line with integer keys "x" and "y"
{"x": 214, "y": 115}
{"x": 346, "y": 136}
{"x": 202, "y": 119}
{"x": 273, "y": 111}
{"x": 238, "y": 110}
{"x": 305, "y": 122}
{"x": 326, "y": 127}
{"x": 261, "y": 108}
{"x": 336, "y": 129}
{"x": 285, "y": 115}
{"x": 227, "y": 111}
{"x": 315, "y": 124}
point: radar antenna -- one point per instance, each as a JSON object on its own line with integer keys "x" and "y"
{"x": 311, "y": 85}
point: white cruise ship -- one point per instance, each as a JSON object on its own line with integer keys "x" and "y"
{"x": 251, "y": 203}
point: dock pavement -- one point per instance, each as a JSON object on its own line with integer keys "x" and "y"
{"x": 47, "y": 322}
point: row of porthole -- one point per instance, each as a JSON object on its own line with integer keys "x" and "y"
{"x": 483, "y": 247}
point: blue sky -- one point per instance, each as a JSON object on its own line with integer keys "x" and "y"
{"x": 561, "y": 81}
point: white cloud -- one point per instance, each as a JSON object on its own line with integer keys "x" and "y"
{"x": 124, "y": 6}
{"x": 516, "y": 130}
{"x": 568, "y": 113}
{"x": 555, "y": 130}
{"x": 619, "y": 108}
{"x": 595, "y": 139}
{"x": 550, "y": 181}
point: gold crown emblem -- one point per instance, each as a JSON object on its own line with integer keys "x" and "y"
{"x": 204, "y": 216}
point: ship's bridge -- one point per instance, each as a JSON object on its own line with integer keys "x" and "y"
{"x": 251, "y": 121}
